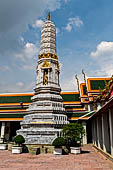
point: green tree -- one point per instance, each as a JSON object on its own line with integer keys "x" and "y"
{"x": 73, "y": 131}
{"x": 59, "y": 141}
{"x": 19, "y": 139}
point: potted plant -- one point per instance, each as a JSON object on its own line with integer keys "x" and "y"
{"x": 19, "y": 139}
{"x": 58, "y": 143}
{"x": 3, "y": 144}
{"x": 73, "y": 133}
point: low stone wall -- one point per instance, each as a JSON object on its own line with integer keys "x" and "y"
{"x": 35, "y": 149}
{"x": 10, "y": 146}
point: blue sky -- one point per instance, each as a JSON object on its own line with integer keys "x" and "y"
{"x": 84, "y": 40}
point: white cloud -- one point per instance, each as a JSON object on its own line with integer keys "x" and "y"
{"x": 74, "y": 22}
{"x": 68, "y": 27}
{"x": 20, "y": 84}
{"x": 26, "y": 59}
{"x": 26, "y": 67}
{"x": 15, "y": 16}
{"x": 57, "y": 30}
{"x": 103, "y": 49}
{"x": 103, "y": 57}
{"x": 29, "y": 51}
{"x": 38, "y": 23}
{"x": 68, "y": 84}
{"x": 16, "y": 87}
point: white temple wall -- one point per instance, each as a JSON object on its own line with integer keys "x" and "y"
{"x": 111, "y": 128}
{"x": 105, "y": 133}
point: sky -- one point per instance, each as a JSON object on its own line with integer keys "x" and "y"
{"x": 84, "y": 40}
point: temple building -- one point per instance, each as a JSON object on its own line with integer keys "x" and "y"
{"x": 49, "y": 108}
{"x": 79, "y": 106}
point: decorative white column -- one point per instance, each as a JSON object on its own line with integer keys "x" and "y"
{"x": 99, "y": 132}
{"x": 111, "y": 129}
{"x": 105, "y": 133}
{"x": 2, "y": 131}
{"x": 94, "y": 132}
{"x": 84, "y": 139}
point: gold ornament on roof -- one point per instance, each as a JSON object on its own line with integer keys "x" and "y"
{"x": 46, "y": 64}
{"x": 43, "y": 55}
{"x": 48, "y": 55}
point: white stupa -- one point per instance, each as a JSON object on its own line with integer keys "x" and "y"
{"x": 46, "y": 114}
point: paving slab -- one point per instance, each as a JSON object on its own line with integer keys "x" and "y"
{"x": 88, "y": 160}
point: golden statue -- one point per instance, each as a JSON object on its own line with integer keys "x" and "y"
{"x": 45, "y": 78}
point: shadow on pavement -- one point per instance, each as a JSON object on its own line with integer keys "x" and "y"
{"x": 85, "y": 151}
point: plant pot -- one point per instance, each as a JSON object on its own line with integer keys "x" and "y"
{"x": 75, "y": 150}
{"x": 17, "y": 149}
{"x": 57, "y": 151}
{"x": 3, "y": 146}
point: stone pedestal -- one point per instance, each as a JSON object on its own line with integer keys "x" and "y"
{"x": 16, "y": 150}
{"x": 57, "y": 151}
{"x": 75, "y": 150}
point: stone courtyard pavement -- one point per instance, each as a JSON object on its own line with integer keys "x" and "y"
{"x": 88, "y": 160}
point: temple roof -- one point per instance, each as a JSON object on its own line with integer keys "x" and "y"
{"x": 13, "y": 105}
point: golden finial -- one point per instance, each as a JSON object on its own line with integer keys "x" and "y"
{"x": 84, "y": 75}
{"x": 49, "y": 16}
{"x": 85, "y": 80}
{"x": 77, "y": 82}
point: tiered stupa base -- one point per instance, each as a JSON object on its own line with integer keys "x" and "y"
{"x": 42, "y": 128}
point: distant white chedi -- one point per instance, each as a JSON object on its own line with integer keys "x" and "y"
{"x": 46, "y": 114}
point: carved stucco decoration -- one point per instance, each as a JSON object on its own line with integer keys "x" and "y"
{"x": 46, "y": 64}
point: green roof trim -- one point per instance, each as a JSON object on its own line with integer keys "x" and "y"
{"x": 15, "y": 99}
{"x": 76, "y": 114}
{"x": 27, "y": 99}
{"x": 97, "y": 84}
{"x": 13, "y": 108}
{"x": 71, "y": 97}
{"x": 74, "y": 107}
{"x": 12, "y": 115}
{"x": 84, "y": 90}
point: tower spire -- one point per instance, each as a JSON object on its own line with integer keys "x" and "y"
{"x": 48, "y": 37}
{"x": 49, "y": 16}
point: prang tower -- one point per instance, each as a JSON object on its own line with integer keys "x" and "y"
{"x": 46, "y": 116}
